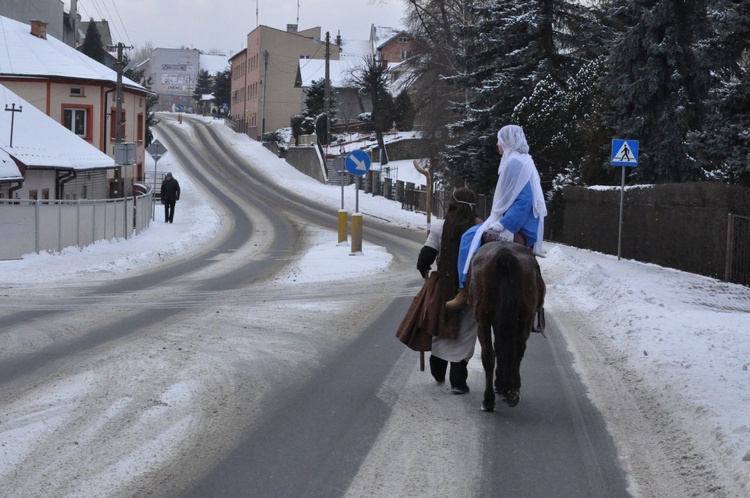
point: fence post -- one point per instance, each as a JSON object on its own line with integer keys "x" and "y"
{"x": 37, "y": 221}
{"x": 730, "y": 249}
{"x": 78, "y": 223}
{"x": 125, "y": 217}
{"x": 93, "y": 222}
{"x": 59, "y": 225}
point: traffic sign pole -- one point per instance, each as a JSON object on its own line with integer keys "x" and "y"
{"x": 153, "y": 194}
{"x": 156, "y": 149}
{"x": 357, "y": 163}
{"x": 625, "y": 155}
{"x": 343, "y": 215}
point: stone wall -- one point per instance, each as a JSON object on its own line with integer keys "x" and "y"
{"x": 307, "y": 160}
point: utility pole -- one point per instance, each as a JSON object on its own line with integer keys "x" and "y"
{"x": 327, "y": 87}
{"x": 118, "y": 113}
{"x": 12, "y": 110}
{"x": 265, "y": 85}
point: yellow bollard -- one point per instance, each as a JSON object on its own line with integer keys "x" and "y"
{"x": 356, "y": 233}
{"x": 343, "y": 218}
{"x": 179, "y": 118}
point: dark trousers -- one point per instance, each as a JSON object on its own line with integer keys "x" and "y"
{"x": 169, "y": 210}
{"x": 458, "y": 373}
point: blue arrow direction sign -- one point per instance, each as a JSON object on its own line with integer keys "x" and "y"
{"x": 624, "y": 152}
{"x": 358, "y": 162}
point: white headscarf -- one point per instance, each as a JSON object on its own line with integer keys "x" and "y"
{"x": 510, "y": 183}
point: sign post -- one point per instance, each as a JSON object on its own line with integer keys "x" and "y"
{"x": 624, "y": 154}
{"x": 357, "y": 163}
{"x": 156, "y": 149}
{"x": 343, "y": 217}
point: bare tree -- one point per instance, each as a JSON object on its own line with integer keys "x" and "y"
{"x": 372, "y": 79}
{"x": 436, "y": 27}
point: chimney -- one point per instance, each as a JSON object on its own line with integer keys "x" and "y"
{"x": 39, "y": 29}
{"x": 291, "y": 28}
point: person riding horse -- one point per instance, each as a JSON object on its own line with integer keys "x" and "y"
{"x": 518, "y": 207}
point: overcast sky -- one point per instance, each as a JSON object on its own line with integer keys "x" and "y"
{"x": 224, "y": 24}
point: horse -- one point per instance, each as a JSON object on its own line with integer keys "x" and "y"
{"x": 506, "y": 291}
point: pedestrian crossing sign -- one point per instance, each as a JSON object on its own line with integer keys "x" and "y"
{"x": 624, "y": 152}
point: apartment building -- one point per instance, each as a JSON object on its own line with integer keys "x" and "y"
{"x": 264, "y": 96}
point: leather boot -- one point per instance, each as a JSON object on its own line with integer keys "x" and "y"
{"x": 460, "y": 301}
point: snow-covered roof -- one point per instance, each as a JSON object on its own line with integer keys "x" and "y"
{"x": 355, "y": 49}
{"x": 214, "y": 64}
{"x": 339, "y": 71}
{"x": 8, "y": 169}
{"x": 381, "y": 34}
{"x": 41, "y": 142}
{"x": 24, "y": 54}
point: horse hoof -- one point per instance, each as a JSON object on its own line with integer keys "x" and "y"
{"x": 486, "y": 408}
{"x": 512, "y": 398}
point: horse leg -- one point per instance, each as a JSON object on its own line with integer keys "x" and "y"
{"x": 512, "y": 394}
{"x": 505, "y": 362}
{"x": 484, "y": 333}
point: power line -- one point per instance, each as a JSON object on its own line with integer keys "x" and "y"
{"x": 96, "y": 8}
{"x": 130, "y": 42}
{"x": 110, "y": 21}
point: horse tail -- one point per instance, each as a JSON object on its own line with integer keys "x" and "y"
{"x": 508, "y": 274}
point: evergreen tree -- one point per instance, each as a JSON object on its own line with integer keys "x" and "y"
{"x": 315, "y": 103}
{"x": 729, "y": 40}
{"x": 658, "y": 84}
{"x": 222, "y": 88}
{"x": 297, "y": 123}
{"x": 513, "y": 47}
{"x": 92, "y": 44}
{"x": 501, "y": 62}
{"x": 315, "y": 107}
{"x": 403, "y": 111}
{"x": 202, "y": 87}
{"x": 722, "y": 147}
{"x": 315, "y": 99}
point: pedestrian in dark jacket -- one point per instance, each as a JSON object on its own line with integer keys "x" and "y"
{"x": 170, "y": 194}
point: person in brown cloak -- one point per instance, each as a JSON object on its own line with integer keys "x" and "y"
{"x": 454, "y": 331}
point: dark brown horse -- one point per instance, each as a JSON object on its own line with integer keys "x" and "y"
{"x": 506, "y": 290}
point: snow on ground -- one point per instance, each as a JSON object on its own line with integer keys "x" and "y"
{"x": 683, "y": 339}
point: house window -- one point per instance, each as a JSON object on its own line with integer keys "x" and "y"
{"x": 76, "y": 91}
{"x": 75, "y": 121}
{"x": 403, "y": 39}
{"x": 140, "y": 135}
{"x": 405, "y": 54}
{"x": 78, "y": 119}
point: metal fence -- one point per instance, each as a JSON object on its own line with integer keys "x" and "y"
{"x": 28, "y": 226}
{"x": 738, "y": 250}
{"x": 415, "y": 199}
